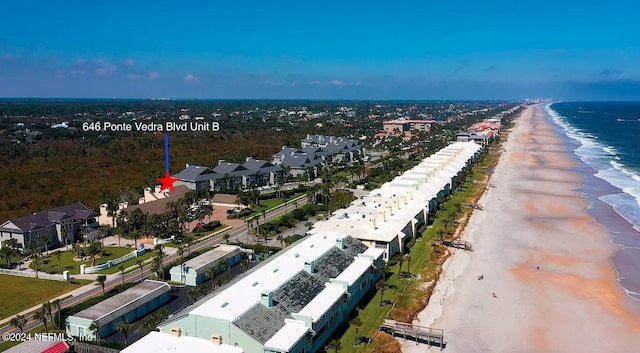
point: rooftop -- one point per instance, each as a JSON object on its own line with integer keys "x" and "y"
{"x": 139, "y": 294}
{"x": 165, "y": 343}
{"x": 238, "y": 298}
{"x": 210, "y": 256}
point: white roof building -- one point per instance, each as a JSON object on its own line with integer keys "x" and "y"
{"x": 390, "y": 215}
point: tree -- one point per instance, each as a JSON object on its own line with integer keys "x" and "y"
{"x": 210, "y": 273}
{"x": 335, "y": 345}
{"x": 193, "y": 294}
{"x": 41, "y": 314}
{"x": 225, "y": 263}
{"x": 19, "y": 321}
{"x": 382, "y": 286}
{"x": 408, "y": 258}
{"x": 124, "y": 327}
{"x": 93, "y": 250}
{"x": 400, "y": 263}
{"x": 181, "y": 262}
{"x": 245, "y": 262}
{"x": 148, "y": 324}
{"x": 101, "y": 280}
{"x": 189, "y": 238}
{"x": 95, "y": 328}
{"x": 6, "y": 253}
{"x": 121, "y": 268}
{"x": 58, "y": 303}
{"x": 309, "y": 225}
{"x": 356, "y": 323}
{"x": 156, "y": 266}
{"x": 49, "y": 309}
{"x": 58, "y": 253}
{"x": 226, "y": 238}
{"x": 384, "y": 268}
{"x": 141, "y": 265}
{"x": 33, "y": 250}
{"x": 65, "y": 237}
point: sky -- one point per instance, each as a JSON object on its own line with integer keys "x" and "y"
{"x": 320, "y": 49}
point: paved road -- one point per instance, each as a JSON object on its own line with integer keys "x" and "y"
{"x": 135, "y": 276}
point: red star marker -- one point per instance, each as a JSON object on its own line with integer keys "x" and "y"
{"x": 167, "y": 182}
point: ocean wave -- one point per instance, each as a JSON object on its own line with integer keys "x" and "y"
{"x": 608, "y": 168}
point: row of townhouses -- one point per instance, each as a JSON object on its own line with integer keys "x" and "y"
{"x": 316, "y": 153}
{"x": 295, "y": 300}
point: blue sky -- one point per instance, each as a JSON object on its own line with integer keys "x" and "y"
{"x": 320, "y": 49}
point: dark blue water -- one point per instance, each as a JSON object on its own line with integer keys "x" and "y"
{"x": 606, "y": 136}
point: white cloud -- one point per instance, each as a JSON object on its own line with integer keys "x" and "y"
{"x": 153, "y": 75}
{"x": 335, "y": 82}
{"x": 129, "y": 62}
{"x": 191, "y": 78}
{"x": 315, "y": 82}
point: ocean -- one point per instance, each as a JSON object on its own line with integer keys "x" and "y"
{"x": 605, "y": 136}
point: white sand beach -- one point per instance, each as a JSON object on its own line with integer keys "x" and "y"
{"x": 532, "y": 217}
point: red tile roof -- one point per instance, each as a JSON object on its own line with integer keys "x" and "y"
{"x": 60, "y": 347}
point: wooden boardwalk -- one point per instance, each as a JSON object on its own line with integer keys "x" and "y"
{"x": 428, "y": 335}
{"x": 460, "y": 244}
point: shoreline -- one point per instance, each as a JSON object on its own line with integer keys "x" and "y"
{"x": 605, "y": 215}
{"x": 575, "y": 292}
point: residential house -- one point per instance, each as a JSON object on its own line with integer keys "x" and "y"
{"x": 52, "y": 225}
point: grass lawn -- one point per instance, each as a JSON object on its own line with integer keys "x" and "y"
{"x": 68, "y": 264}
{"x": 128, "y": 263}
{"x": 21, "y": 293}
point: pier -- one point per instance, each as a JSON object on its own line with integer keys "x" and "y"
{"x": 420, "y": 334}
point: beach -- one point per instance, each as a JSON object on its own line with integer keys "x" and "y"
{"x": 542, "y": 255}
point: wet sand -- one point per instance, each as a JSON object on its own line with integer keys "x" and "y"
{"x": 533, "y": 217}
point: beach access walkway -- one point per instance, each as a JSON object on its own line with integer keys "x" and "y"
{"x": 420, "y": 334}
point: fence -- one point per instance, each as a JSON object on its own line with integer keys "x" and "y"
{"x": 31, "y": 274}
{"x": 112, "y": 263}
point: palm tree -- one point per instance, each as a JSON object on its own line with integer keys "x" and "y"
{"x": 141, "y": 265}
{"x": 58, "y": 253}
{"x": 6, "y": 253}
{"x": 356, "y": 323}
{"x": 384, "y": 268}
{"x": 20, "y": 322}
{"x": 41, "y": 315}
{"x": 45, "y": 241}
{"x": 193, "y": 294}
{"x": 400, "y": 263}
{"x": 95, "y": 328}
{"x": 382, "y": 286}
{"x": 245, "y": 262}
{"x": 121, "y": 268}
{"x": 148, "y": 324}
{"x": 57, "y": 303}
{"x": 335, "y": 345}
{"x": 226, "y": 238}
{"x": 101, "y": 279}
{"x": 156, "y": 266}
{"x": 65, "y": 237}
{"x": 210, "y": 273}
{"x": 49, "y": 309}
{"x": 181, "y": 262}
{"x": 124, "y": 327}
{"x": 189, "y": 238}
{"x": 225, "y": 263}
{"x": 408, "y": 258}
{"x": 33, "y": 250}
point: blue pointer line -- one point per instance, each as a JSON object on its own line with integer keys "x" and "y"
{"x": 166, "y": 153}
